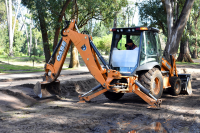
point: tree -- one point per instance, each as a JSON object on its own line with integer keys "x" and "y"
{"x": 153, "y": 14}
{"x": 175, "y": 28}
{"x": 103, "y": 43}
{"x": 100, "y": 30}
{"x": 50, "y": 14}
{"x": 59, "y": 20}
{"x": 190, "y": 35}
{"x": 2, "y": 11}
{"x": 184, "y": 49}
{"x": 175, "y": 13}
{"x": 39, "y": 9}
{"x": 195, "y": 17}
{"x": 88, "y": 11}
{"x": 74, "y": 60}
{"x": 11, "y": 28}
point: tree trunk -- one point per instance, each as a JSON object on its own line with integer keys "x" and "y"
{"x": 194, "y": 54}
{"x": 30, "y": 39}
{"x": 16, "y": 16}
{"x": 35, "y": 42}
{"x": 184, "y": 52}
{"x": 27, "y": 40}
{"x": 195, "y": 45}
{"x": 115, "y": 21}
{"x": 57, "y": 31}
{"x": 10, "y": 27}
{"x": 60, "y": 16}
{"x": 44, "y": 37}
{"x": 175, "y": 31}
{"x": 74, "y": 60}
{"x": 9, "y": 21}
{"x": 91, "y": 27}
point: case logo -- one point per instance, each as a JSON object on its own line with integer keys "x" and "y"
{"x": 62, "y": 48}
{"x": 83, "y": 47}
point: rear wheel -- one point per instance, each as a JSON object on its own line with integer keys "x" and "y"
{"x": 175, "y": 88}
{"x": 113, "y": 96}
{"x": 152, "y": 80}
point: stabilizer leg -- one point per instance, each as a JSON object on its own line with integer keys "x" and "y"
{"x": 83, "y": 98}
{"x": 147, "y": 96}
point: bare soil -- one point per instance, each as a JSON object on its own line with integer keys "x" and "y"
{"x": 177, "y": 113}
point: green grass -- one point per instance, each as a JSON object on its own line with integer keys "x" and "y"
{"x": 21, "y": 58}
{"x": 23, "y": 64}
{"x": 187, "y": 63}
{"x": 9, "y": 68}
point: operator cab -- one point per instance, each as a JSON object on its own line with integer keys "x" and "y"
{"x": 146, "y": 54}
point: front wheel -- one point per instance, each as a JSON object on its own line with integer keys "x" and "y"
{"x": 113, "y": 96}
{"x": 152, "y": 80}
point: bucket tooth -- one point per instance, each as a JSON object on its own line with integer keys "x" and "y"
{"x": 46, "y": 89}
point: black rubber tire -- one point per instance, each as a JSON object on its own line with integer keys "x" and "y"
{"x": 113, "y": 96}
{"x": 152, "y": 80}
{"x": 175, "y": 83}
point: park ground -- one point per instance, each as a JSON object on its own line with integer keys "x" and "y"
{"x": 21, "y": 111}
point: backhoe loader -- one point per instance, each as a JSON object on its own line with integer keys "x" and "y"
{"x": 142, "y": 71}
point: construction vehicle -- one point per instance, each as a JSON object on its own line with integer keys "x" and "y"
{"x": 142, "y": 71}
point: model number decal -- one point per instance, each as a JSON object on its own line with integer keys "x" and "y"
{"x": 169, "y": 67}
{"x": 62, "y": 48}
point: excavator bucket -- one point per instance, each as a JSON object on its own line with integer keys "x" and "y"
{"x": 46, "y": 89}
{"x": 186, "y": 87}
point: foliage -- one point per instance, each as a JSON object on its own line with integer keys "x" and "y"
{"x": 153, "y": 14}
{"x": 2, "y": 11}
{"x": 100, "y": 30}
{"x": 47, "y": 11}
{"x": 5, "y": 42}
{"x": 98, "y": 10}
{"x": 125, "y": 15}
{"x": 103, "y": 44}
{"x": 193, "y": 27}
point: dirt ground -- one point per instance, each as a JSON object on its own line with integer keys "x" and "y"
{"x": 24, "y": 113}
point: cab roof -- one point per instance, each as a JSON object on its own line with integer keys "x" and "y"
{"x": 134, "y": 29}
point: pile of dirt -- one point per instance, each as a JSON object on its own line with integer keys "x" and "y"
{"x": 10, "y": 100}
{"x": 74, "y": 87}
{"x": 21, "y": 96}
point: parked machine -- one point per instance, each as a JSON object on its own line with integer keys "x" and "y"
{"x": 142, "y": 71}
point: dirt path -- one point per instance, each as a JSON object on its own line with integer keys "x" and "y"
{"x": 177, "y": 114}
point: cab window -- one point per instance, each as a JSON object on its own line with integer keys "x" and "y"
{"x": 121, "y": 43}
{"x": 148, "y": 48}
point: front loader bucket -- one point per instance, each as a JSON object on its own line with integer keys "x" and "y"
{"x": 186, "y": 87}
{"x": 46, "y": 89}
